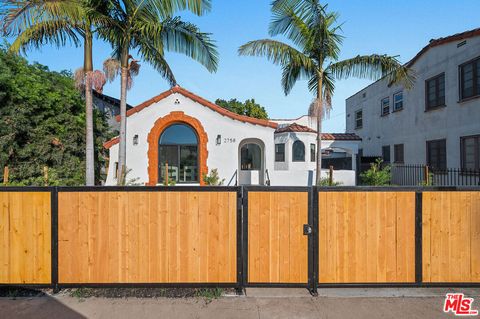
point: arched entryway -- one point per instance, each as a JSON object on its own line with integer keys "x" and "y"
{"x": 251, "y": 161}
{"x": 181, "y": 141}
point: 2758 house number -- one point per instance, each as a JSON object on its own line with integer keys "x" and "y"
{"x": 228, "y": 140}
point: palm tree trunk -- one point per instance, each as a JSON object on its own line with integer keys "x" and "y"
{"x": 319, "y": 113}
{"x": 122, "y": 152}
{"x": 88, "y": 69}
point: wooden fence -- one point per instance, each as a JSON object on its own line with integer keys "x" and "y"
{"x": 239, "y": 236}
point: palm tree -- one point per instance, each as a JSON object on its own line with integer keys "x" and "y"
{"x": 314, "y": 56}
{"x": 149, "y": 28}
{"x": 38, "y": 22}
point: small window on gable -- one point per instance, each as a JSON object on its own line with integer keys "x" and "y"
{"x": 298, "y": 151}
{"x": 398, "y": 101}
{"x": 358, "y": 119}
{"x": 385, "y": 106}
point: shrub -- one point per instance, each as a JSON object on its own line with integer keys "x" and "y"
{"x": 212, "y": 178}
{"x": 377, "y": 175}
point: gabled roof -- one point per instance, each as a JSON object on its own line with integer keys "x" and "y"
{"x": 109, "y": 99}
{"x": 294, "y": 128}
{"x": 440, "y": 41}
{"x": 433, "y": 43}
{"x": 202, "y": 101}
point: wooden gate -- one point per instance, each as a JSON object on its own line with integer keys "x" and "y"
{"x": 276, "y": 249}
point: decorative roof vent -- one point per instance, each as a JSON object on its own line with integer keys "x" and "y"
{"x": 461, "y": 44}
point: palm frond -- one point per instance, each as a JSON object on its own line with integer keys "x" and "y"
{"x": 372, "y": 67}
{"x": 168, "y": 8}
{"x": 277, "y": 52}
{"x": 286, "y": 21}
{"x": 291, "y": 74}
{"x": 19, "y": 15}
{"x": 56, "y": 32}
{"x": 184, "y": 37}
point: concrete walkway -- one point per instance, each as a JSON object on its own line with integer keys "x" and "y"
{"x": 269, "y": 303}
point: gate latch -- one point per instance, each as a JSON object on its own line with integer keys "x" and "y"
{"x": 307, "y": 229}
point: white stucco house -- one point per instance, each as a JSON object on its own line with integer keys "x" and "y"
{"x": 189, "y": 136}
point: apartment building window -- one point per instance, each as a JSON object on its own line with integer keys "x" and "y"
{"x": 386, "y": 153}
{"x": 435, "y": 92}
{"x": 358, "y": 119}
{"x": 279, "y": 152}
{"x": 385, "y": 106}
{"x": 470, "y": 79}
{"x": 398, "y": 101}
{"x": 470, "y": 152}
{"x": 398, "y": 154}
{"x": 437, "y": 154}
{"x": 312, "y": 153}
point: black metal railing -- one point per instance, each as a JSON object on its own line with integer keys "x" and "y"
{"x": 418, "y": 175}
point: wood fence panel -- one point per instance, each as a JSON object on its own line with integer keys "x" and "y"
{"x": 451, "y": 237}
{"x": 25, "y": 238}
{"x": 366, "y": 237}
{"x": 277, "y": 248}
{"x": 147, "y": 237}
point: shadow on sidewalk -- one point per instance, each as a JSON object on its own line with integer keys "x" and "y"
{"x": 29, "y": 303}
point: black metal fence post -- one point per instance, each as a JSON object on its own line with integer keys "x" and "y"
{"x": 418, "y": 238}
{"x": 54, "y": 239}
{"x": 240, "y": 286}
{"x": 313, "y": 240}
{"x": 244, "y": 237}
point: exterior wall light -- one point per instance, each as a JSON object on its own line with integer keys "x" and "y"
{"x": 135, "y": 139}
{"x": 219, "y": 139}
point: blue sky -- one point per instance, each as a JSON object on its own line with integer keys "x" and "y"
{"x": 375, "y": 26}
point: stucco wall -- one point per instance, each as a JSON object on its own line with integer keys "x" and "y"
{"x": 413, "y": 126}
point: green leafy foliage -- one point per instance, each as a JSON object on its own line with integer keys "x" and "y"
{"x": 248, "y": 108}
{"x": 213, "y": 179}
{"x": 377, "y": 175}
{"x": 325, "y": 181}
{"x": 42, "y": 123}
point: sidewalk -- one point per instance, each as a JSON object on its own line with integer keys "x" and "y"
{"x": 334, "y": 303}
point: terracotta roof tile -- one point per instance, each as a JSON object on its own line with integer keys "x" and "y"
{"x": 294, "y": 127}
{"x": 202, "y": 101}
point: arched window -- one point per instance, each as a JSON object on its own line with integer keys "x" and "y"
{"x": 298, "y": 151}
{"x": 251, "y": 157}
{"x": 178, "y": 147}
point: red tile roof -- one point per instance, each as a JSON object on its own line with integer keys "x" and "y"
{"x": 294, "y": 127}
{"x": 202, "y": 101}
{"x": 111, "y": 142}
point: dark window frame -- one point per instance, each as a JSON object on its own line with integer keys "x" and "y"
{"x": 298, "y": 142}
{"x": 475, "y": 76}
{"x": 394, "y": 103}
{"x": 280, "y": 153}
{"x": 438, "y": 104}
{"x": 383, "y": 112}
{"x": 396, "y": 153}
{"x": 428, "y": 162}
{"x": 313, "y": 152}
{"x": 477, "y": 151}
{"x": 384, "y": 147}
{"x": 356, "y": 119}
{"x": 179, "y": 149}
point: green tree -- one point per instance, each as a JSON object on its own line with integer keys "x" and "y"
{"x": 149, "y": 28}
{"x": 314, "y": 56}
{"x": 35, "y": 23}
{"x": 42, "y": 120}
{"x": 248, "y": 108}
